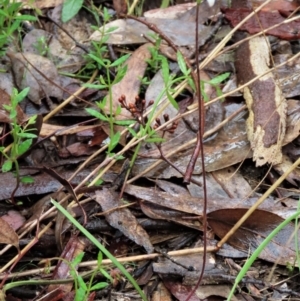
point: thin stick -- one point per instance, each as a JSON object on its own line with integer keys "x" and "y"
{"x": 108, "y": 261}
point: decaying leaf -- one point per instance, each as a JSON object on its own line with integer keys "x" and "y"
{"x": 122, "y": 219}
{"x": 285, "y": 166}
{"x": 74, "y": 247}
{"x": 136, "y": 67}
{"x": 38, "y": 73}
{"x": 7, "y": 234}
{"x": 223, "y": 213}
{"x": 68, "y": 60}
{"x": 14, "y": 219}
{"x": 182, "y": 23}
{"x": 263, "y": 20}
{"x": 254, "y": 230}
{"x": 267, "y": 107}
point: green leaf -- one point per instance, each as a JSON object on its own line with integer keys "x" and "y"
{"x": 203, "y": 93}
{"x": 81, "y": 283}
{"x": 172, "y": 100}
{"x": 114, "y": 140}
{"x": 26, "y": 18}
{"x": 18, "y": 97}
{"x": 124, "y": 122}
{"x": 105, "y": 274}
{"x": 118, "y": 110}
{"x": 32, "y": 120}
{"x": 98, "y": 182}
{"x": 98, "y": 60}
{"x": 165, "y": 70}
{"x": 132, "y": 132}
{"x": 27, "y": 180}
{"x": 219, "y": 92}
{"x": 181, "y": 63}
{"x": 99, "y": 286}
{"x": 80, "y": 293}
{"x": 119, "y": 157}
{"x": 24, "y": 146}
{"x": 101, "y": 248}
{"x": 93, "y": 86}
{"x": 120, "y": 74}
{"x": 14, "y": 27}
{"x": 191, "y": 83}
{"x": 110, "y": 29}
{"x": 101, "y": 104}
{"x": 99, "y": 258}
{"x": 106, "y": 15}
{"x": 96, "y": 114}
{"x": 26, "y": 135}
{"x": 77, "y": 259}
{"x": 155, "y": 140}
{"x": 218, "y": 79}
{"x": 120, "y": 60}
{"x": 13, "y": 115}
{"x": 8, "y": 108}
{"x": 7, "y": 166}
{"x": 70, "y": 9}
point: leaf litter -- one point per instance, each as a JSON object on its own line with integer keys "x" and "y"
{"x": 150, "y": 210}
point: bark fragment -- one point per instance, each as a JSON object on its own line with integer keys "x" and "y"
{"x": 267, "y": 107}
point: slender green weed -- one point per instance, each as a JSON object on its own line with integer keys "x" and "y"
{"x": 10, "y": 22}
{"x": 22, "y": 136}
{"x": 256, "y": 253}
{"x": 101, "y": 248}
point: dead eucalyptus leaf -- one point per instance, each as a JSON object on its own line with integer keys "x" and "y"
{"x": 38, "y": 73}
{"x": 7, "y": 234}
{"x": 122, "y": 219}
{"x": 178, "y": 26}
{"x": 14, "y": 219}
{"x": 254, "y": 230}
{"x": 136, "y": 67}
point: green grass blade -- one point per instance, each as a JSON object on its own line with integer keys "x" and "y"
{"x": 256, "y": 253}
{"x": 100, "y": 246}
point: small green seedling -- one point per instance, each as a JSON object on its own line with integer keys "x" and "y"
{"x": 256, "y": 253}
{"x": 22, "y": 136}
{"x": 100, "y": 247}
{"x": 82, "y": 290}
{"x": 10, "y": 22}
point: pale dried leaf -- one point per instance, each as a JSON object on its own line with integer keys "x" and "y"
{"x": 7, "y": 234}
{"x": 14, "y": 219}
{"x": 182, "y": 22}
{"x": 38, "y": 73}
{"x": 122, "y": 219}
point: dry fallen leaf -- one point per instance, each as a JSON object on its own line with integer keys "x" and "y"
{"x": 122, "y": 219}
{"x": 263, "y": 20}
{"x": 254, "y": 230}
{"x": 7, "y": 234}
{"x": 179, "y": 26}
{"x": 38, "y": 73}
{"x": 14, "y": 219}
{"x": 136, "y": 67}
